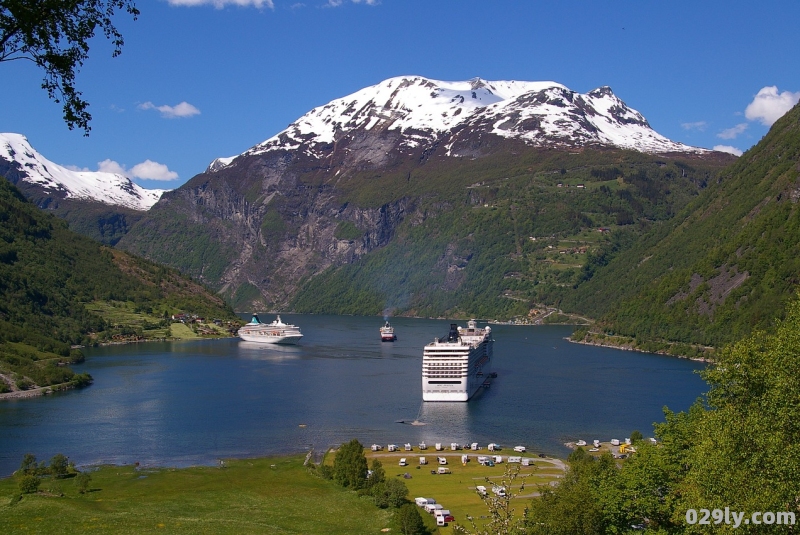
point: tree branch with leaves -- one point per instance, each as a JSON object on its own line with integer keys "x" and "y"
{"x": 54, "y": 35}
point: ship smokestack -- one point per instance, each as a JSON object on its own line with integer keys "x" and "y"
{"x": 452, "y": 336}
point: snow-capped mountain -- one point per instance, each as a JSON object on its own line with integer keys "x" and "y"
{"x": 425, "y": 112}
{"x": 108, "y": 188}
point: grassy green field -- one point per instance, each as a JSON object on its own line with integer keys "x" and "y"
{"x": 275, "y": 495}
{"x": 125, "y": 314}
{"x": 270, "y": 495}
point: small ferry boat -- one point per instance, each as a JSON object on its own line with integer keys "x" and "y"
{"x": 387, "y": 333}
{"x": 276, "y": 332}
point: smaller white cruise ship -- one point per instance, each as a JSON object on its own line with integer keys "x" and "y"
{"x": 455, "y": 367}
{"x": 276, "y": 332}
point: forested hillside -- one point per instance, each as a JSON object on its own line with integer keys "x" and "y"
{"x": 500, "y": 236}
{"x": 48, "y": 277}
{"x": 725, "y": 265}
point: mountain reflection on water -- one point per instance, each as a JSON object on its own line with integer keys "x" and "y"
{"x": 193, "y": 402}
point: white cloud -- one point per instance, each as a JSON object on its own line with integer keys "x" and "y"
{"x": 151, "y": 170}
{"x": 148, "y": 170}
{"x": 219, "y": 4}
{"x": 337, "y": 3}
{"x": 728, "y": 149}
{"x": 698, "y": 125}
{"x": 768, "y": 105}
{"x": 77, "y": 169}
{"x": 110, "y": 166}
{"x": 184, "y": 109}
{"x": 731, "y": 133}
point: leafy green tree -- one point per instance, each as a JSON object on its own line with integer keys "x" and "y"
{"x": 28, "y": 465}
{"x": 410, "y": 520}
{"x": 377, "y": 473}
{"x": 636, "y": 436}
{"x": 55, "y": 35}
{"x": 746, "y": 453}
{"x": 739, "y": 449}
{"x": 389, "y": 493}
{"x": 29, "y": 484}
{"x": 59, "y": 465}
{"x": 350, "y": 465}
{"x": 83, "y": 480}
{"x": 575, "y": 505}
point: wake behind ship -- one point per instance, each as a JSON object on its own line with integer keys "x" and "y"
{"x": 455, "y": 367}
{"x": 276, "y": 332}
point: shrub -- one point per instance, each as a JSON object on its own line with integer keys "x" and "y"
{"x": 82, "y": 480}
{"x": 29, "y": 484}
{"x": 24, "y": 384}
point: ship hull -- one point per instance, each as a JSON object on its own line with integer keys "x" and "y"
{"x": 262, "y": 339}
{"x": 461, "y": 391}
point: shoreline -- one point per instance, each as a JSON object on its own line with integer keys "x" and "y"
{"x": 317, "y": 456}
{"x": 36, "y": 392}
{"x": 629, "y": 348}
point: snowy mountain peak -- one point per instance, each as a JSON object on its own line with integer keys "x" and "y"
{"x": 423, "y": 112}
{"x": 107, "y": 188}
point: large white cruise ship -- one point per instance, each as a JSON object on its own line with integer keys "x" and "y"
{"x": 455, "y": 367}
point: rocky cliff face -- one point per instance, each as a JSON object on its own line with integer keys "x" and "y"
{"x": 256, "y": 229}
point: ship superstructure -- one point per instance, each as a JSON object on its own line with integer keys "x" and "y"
{"x": 455, "y": 367}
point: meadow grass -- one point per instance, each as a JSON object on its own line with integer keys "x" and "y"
{"x": 181, "y": 331}
{"x": 273, "y": 495}
{"x": 269, "y": 495}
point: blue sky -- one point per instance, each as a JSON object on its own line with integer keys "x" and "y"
{"x": 202, "y": 79}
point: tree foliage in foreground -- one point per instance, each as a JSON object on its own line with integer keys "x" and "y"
{"x": 503, "y": 516}
{"x": 410, "y": 520}
{"x": 739, "y": 449}
{"x": 55, "y": 35}
{"x": 350, "y": 465}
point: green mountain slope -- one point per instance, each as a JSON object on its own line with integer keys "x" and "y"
{"x": 724, "y": 266}
{"x": 48, "y": 277}
{"x": 498, "y": 236}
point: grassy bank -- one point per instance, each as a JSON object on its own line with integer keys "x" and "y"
{"x": 274, "y": 495}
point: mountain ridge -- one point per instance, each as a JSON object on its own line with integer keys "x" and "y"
{"x": 21, "y": 163}
{"x": 422, "y": 111}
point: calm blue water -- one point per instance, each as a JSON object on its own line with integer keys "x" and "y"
{"x": 184, "y": 403}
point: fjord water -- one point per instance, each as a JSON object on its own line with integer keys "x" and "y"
{"x": 193, "y": 402}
